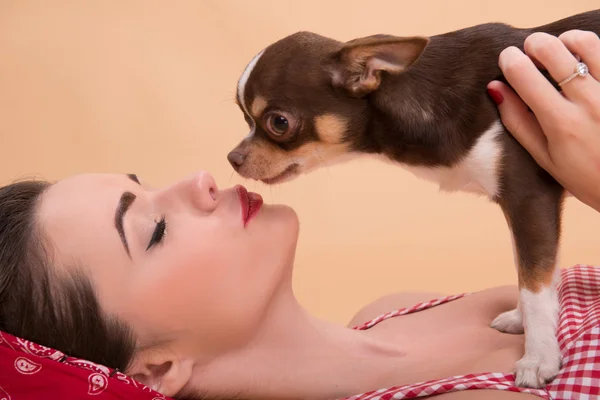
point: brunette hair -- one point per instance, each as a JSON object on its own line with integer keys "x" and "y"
{"x": 37, "y": 303}
{"x": 56, "y": 309}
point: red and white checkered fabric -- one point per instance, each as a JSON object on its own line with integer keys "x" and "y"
{"x": 578, "y": 334}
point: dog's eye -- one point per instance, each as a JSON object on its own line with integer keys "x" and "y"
{"x": 279, "y": 124}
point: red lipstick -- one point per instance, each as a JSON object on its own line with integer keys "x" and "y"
{"x": 251, "y": 203}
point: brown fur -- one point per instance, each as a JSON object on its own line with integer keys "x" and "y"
{"x": 420, "y": 101}
{"x": 258, "y": 105}
{"x": 330, "y": 128}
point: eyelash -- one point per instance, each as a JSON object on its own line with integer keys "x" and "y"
{"x": 134, "y": 178}
{"x": 159, "y": 233}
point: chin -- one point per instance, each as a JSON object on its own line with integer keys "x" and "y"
{"x": 283, "y": 214}
{"x": 282, "y": 222}
{"x": 277, "y": 241}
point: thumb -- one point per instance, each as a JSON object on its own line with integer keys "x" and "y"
{"x": 520, "y": 122}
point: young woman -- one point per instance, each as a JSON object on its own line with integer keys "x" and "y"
{"x": 187, "y": 289}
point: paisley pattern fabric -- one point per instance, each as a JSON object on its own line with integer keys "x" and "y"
{"x": 32, "y": 371}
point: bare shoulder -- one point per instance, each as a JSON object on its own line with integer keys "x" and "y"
{"x": 389, "y": 303}
{"x": 500, "y": 298}
{"x": 486, "y": 394}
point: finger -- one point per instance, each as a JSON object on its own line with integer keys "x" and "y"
{"x": 560, "y": 63}
{"x": 522, "y": 124}
{"x": 529, "y": 83}
{"x": 586, "y": 45}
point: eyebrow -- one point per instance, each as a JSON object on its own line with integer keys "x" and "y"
{"x": 125, "y": 202}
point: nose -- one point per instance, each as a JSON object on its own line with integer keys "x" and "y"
{"x": 236, "y": 158}
{"x": 206, "y": 191}
{"x": 198, "y": 190}
{"x": 238, "y": 155}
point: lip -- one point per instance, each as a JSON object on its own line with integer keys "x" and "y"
{"x": 290, "y": 171}
{"x": 251, "y": 203}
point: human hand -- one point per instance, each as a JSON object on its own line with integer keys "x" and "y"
{"x": 562, "y": 131}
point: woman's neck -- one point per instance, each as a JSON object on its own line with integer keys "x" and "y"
{"x": 297, "y": 356}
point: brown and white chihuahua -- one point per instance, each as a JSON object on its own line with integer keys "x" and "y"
{"x": 422, "y": 103}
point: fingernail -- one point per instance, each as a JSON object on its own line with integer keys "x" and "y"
{"x": 496, "y": 96}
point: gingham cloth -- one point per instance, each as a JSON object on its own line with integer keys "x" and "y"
{"x": 578, "y": 335}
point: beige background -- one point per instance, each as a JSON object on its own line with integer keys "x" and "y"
{"x": 148, "y": 87}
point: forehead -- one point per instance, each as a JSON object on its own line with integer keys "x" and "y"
{"x": 290, "y": 70}
{"x": 82, "y": 190}
{"x": 77, "y": 214}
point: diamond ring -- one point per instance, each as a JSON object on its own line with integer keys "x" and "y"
{"x": 580, "y": 70}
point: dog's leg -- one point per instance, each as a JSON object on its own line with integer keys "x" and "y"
{"x": 533, "y": 214}
{"x": 510, "y": 321}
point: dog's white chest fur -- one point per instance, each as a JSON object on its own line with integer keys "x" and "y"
{"x": 476, "y": 173}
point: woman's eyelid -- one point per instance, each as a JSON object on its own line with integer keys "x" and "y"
{"x": 158, "y": 233}
{"x": 156, "y": 230}
{"x": 145, "y": 218}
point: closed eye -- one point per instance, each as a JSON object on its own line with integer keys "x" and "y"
{"x": 158, "y": 234}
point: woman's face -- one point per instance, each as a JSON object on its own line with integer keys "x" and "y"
{"x": 177, "y": 263}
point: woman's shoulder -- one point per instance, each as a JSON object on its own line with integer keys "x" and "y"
{"x": 394, "y": 301}
{"x": 389, "y": 303}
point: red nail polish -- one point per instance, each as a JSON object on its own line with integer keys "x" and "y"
{"x": 496, "y": 96}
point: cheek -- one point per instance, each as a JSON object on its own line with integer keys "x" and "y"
{"x": 216, "y": 283}
{"x": 211, "y": 283}
{"x": 195, "y": 272}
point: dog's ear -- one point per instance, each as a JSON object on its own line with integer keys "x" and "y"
{"x": 359, "y": 64}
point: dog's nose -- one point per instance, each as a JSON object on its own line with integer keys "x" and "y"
{"x": 236, "y": 159}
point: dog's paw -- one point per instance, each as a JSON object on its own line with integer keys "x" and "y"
{"x": 509, "y": 322}
{"x": 535, "y": 371}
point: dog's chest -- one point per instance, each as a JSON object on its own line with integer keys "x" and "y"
{"x": 477, "y": 172}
